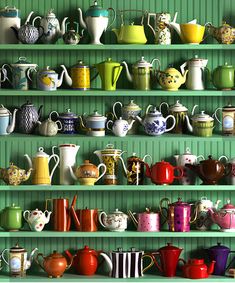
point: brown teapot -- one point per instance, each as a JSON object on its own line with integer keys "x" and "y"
{"x": 210, "y": 171}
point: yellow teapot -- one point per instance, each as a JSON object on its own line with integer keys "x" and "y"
{"x": 171, "y": 79}
{"x": 13, "y": 175}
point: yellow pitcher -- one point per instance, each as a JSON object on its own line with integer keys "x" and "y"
{"x": 40, "y": 165}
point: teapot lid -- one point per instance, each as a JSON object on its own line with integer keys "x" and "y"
{"x": 116, "y": 211}
{"x": 109, "y": 149}
{"x": 27, "y": 104}
{"x": 17, "y": 248}
{"x": 10, "y": 12}
{"x": 111, "y": 62}
{"x": 50, "y": 14}
{"x": 202, "y": 117}
{"x": 196, "y": 59}
{"x": 142, "y": 63}
{"x": 86, "y": 249}
{"x": 55, "y": 254}
{"x": 219, "y": 247}
{"x": 80, "y": 64}
{"x": 225, "y": 66}
{"x": 228, "y": 107}
{"x": 47, "y": 70}
{"x": 187, "y": 151}
{"x": 96, "y": 10}
{"x": 169, "y": 247}
{"x": 132, "y": 106}
{"x": 178, "y": 107}
{"x": 228, "y": 206}
{"x": 180, "y": 203}
{"x": 24, "y": 63}
{"x": 68, "y": 115}
{"x": 4, "y": 111}
{"x": 95, "y": 116}
{"x": 41, "y": 153}
{"x": 13, "y": 206}
{"x": 154, "y": 113}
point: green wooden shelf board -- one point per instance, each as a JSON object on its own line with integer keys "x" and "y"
{"x": 107, "y": 234}
{"x": 101, "y": 278}
{"x": 116, "y": 47}
{"x": 142, "y": 188}
{"x": 118, "y": 92}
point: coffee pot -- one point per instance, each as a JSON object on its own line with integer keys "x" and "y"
{"x": 13, "y": 175}
{"x": 130, "y": 263}
{"x": 11, "y": 218}
{"x": 7, "y": 120}
{"x": 178, "y": 215}
{"x": 109, "y": 72}
{"x": 37, "y": 219}
{"x": 40, "y": 165}
{"x": 96, "y": 21}
{"x": 17, "y": 260}
{"x": 227, "y": 120}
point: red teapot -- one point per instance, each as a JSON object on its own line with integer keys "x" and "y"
{"x": 197, "y": 269}
{"x": 85, "y": 261}
{"x": 162, "y": 173}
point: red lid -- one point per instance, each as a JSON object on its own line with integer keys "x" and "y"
{"x": 196, "y": 261}
{"x": 86, "y": 249}
{"x": 169, "y": 247}
{"x": 228, "y": 206}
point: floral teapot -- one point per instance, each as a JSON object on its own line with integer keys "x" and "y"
{"x": 13, "y": 175}
{"x": 120, "y": 127}
{"x": 37, "y": 219}
{"x": 154, "y": 123}
{"x": 115, "y": 221}
{"x": 224, "y": 34}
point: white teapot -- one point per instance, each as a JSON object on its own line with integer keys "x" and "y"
{"x": 115, "y": 221}
{"x": 37, "y": 219}
{"x": 120, "y": 127}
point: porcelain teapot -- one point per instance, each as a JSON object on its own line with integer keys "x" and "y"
{"x": 96, "y": 21}
{"x": 48, "y": 127}
{"x": 7, "y": 120}
{"x": 154, "y": 123}
{"x": 49, "y": 80}
{"x": 13, "y": 175}
{"x": 71, "y": 36}
{"x": 37, "y": 219}
{"x": 120, "y": 127}
{"x": 197, "y": 269}
{"x": 115, "y": 221}
{"x": 224, "y": 34}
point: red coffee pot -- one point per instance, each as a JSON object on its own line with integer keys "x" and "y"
{"x": 162, "y": 173}
{"x": 169, "y": 258}
{"x": 197, "y": 269}
{"x": 85, "y": 261}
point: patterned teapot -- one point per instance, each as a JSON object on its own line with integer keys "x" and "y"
{"x": 37, "y": 219}
{"x": 13, "y": 175}
{"x": 48, "y": 127}
{"x": 224, "y": 34}
{"x": 49, "y": 80}
{"x": 115, "y": 221}
{"x": 120, "y": 127}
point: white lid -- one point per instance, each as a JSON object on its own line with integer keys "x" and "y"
{"x": 143, "y": 63}
{"x": 178, "y": 107}
{"x": 41, "y": 153}
{"x": 96, "y": 117}
{"x": 132, "y": 106}
{"x": 202, "y": 117}
{"x": 4, "y": 111}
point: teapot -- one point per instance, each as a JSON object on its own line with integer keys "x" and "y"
{"x": 17, "y": 260}
{"x": 54, "y": 264}
{"x": 11, "y": 218}
{"x": 131, "y": 34}
{"x": 48, "y": 127}
{"x": 115, "y": 221}
{"x": 175, "y": 81}
{"x": 203, "y": 221}
{"x": 162, "y": 173}
{"x": 88, "y": 174}
{"x": 28, "y": 34}
{"x": 224, "y": 34}
{"x": 71, "y": 36}
{"x": 40, "y": 165}
{"x": 210, "y": 171}
{"x": 154, "y": 123}
{"x": 223, "y": 77}
{"x": 142, "y": 71}
{"x": 48, "y": 79}
{"x": 95, "y": 124}
{"x": 224, "y": 217}
{"x": 120, "y": 127}
{"x": 7, "y": 120}
{"x": 85, "y": 261}
{"x": 27, "y": 117}
{"x": 37, "y": 219}
{"x": 197, "y": 269}
{"x": 51, "y": 27}
{"x": 96, "y": 21}
{"x": 13, "y": 175}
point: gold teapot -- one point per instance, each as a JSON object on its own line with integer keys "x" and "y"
{"x": 224, "y": 34}
{"x": 13, "y": 175}
{"x": 171, "y": 79}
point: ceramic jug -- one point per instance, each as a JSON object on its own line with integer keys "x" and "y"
{"x": 142, "y": 72}
{"x": 37, "y": 219}
{"x": 120, "y": 127}
{"x": 223, "y": 77}
{"x": 20, "y": 73}
{"x": 203, "y": 221}
{"x": 18, "y": 260}
{"x": 40, "y": 165}
{"x": 169, "y": 258}
{"x": 196, "y": 73}
{"x": 178, "y": 215}
{"x": 161, "y": 28}
{"x": 49, "y": 80}
{"x": 96, "y": 21}
{"x": 67, "y": 153}
{"x": 115, "y": 221}
{"x": 189, "y": 177}
{"x": 11, "y": 218}
{"x": 88, "y": 219}
{"x": 109, "y": 72}
{"x": 130, "y": 263}
{"x": 227, "y": 121}
{"x": 7, "y": 120}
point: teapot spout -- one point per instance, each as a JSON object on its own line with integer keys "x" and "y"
{"x": 98, "y": 154}
{"x": 11, "y": 127}
{"x": 68, "y": 79}
{"x": 63, "y": 28}
{"x": 131, "y": 124}
{"x": 189, "y": 126}
{"x": 176, "y": 158}
{"x": 30, "y": 260}
{"x": 128, "y": 75}
{"x": 108, "y": 261}
{"x": 27, "y": 174}
{"x": 72, "y": 173}
{"x": 29, "y": 17}
{"x": 81, "y": 21}
{"x": 139, "y": 119}
{"x": 184, "y": 76}
{"x": 29, "y": 161}
{"x": 210, "y": 268}
{"x": 60, "y": 80}
{"x": 176, "y": 27}
{"x": 15, "y": 31}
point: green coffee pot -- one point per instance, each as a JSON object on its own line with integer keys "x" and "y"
{"x": 223, "y": 77}
{"x": 11, "y": 218}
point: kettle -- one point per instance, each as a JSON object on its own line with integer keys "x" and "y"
{"x": 40, "y": 165}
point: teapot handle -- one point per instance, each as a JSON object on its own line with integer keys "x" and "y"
{"x": 155, "y": 260}
{"x": 4, "y": 70}
{"x": 150, "y": 264}
{"x": 174, "y": 121}
{"x": 2, "y": 255}
{"x": 164, "y": 103}
{"x": 114, "y": 106}
{"x": 57, "y": 159}
{"x": 215, "y": 115}
{"x": 148, "y": 22}
{"x": 38, "y": 261}
{"x": 114, "y": 17}
{"x": 100, "y": 218}
{"x": 26, "y": 215}
{"x": 33, "y": 21}
{"x": 228, "y": 169}
{"x": 104, "y": 171}
{"x": 107, "y": 125}
{"x": 134, "y": 10}
{"x": 60, "y": 126}
{"x": 180, "y": 171}
{"x": 161, "y": 208}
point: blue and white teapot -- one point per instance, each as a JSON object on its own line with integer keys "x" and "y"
{"x": 154, "y": 123}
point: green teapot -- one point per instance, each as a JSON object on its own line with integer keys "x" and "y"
{"x": 11, "y": 218}
{"x": 223, "y": 77}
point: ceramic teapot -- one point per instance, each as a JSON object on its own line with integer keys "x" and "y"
{"x": 132, "y": 263}
{"x": 27, "y": 117}
{"x": 18, "y": 260}
{"x": 96, "y": 21}
{"x": 51, "y": 26}
{"x": 40, "y": 165}
{"x": 154, "y": 123}
{"x": 115, "y": 221}
{"x": 13, "y": 175}
{"x": 197, "y": 269}
{"x": 93, "y": 124}
{"x": 224, "y": 34}
{"x": 210, "y": 171}
{"x": 7, "y": 120}
{"x": 54, "y": 264}
{"x": 49, "y": 80}
{"x": 88, "y": 174}
{"x": 120, "y": 127}
{"x": 85, "y": 261}
{"x": 223, "y": 77}
{"x": 132, "y": 33}
{"x": 71, "y": 36}
{"x": 28, "y": 34}
{"x": 37, "y": 219}
{"x": 175, "y": 81}
{"x": 141, "y": 73}
{"x": 224, "y": 217}
{"x": 48, "y": 127}
{"x": 203, "y": 221}
{"x": 11, "y": 218}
